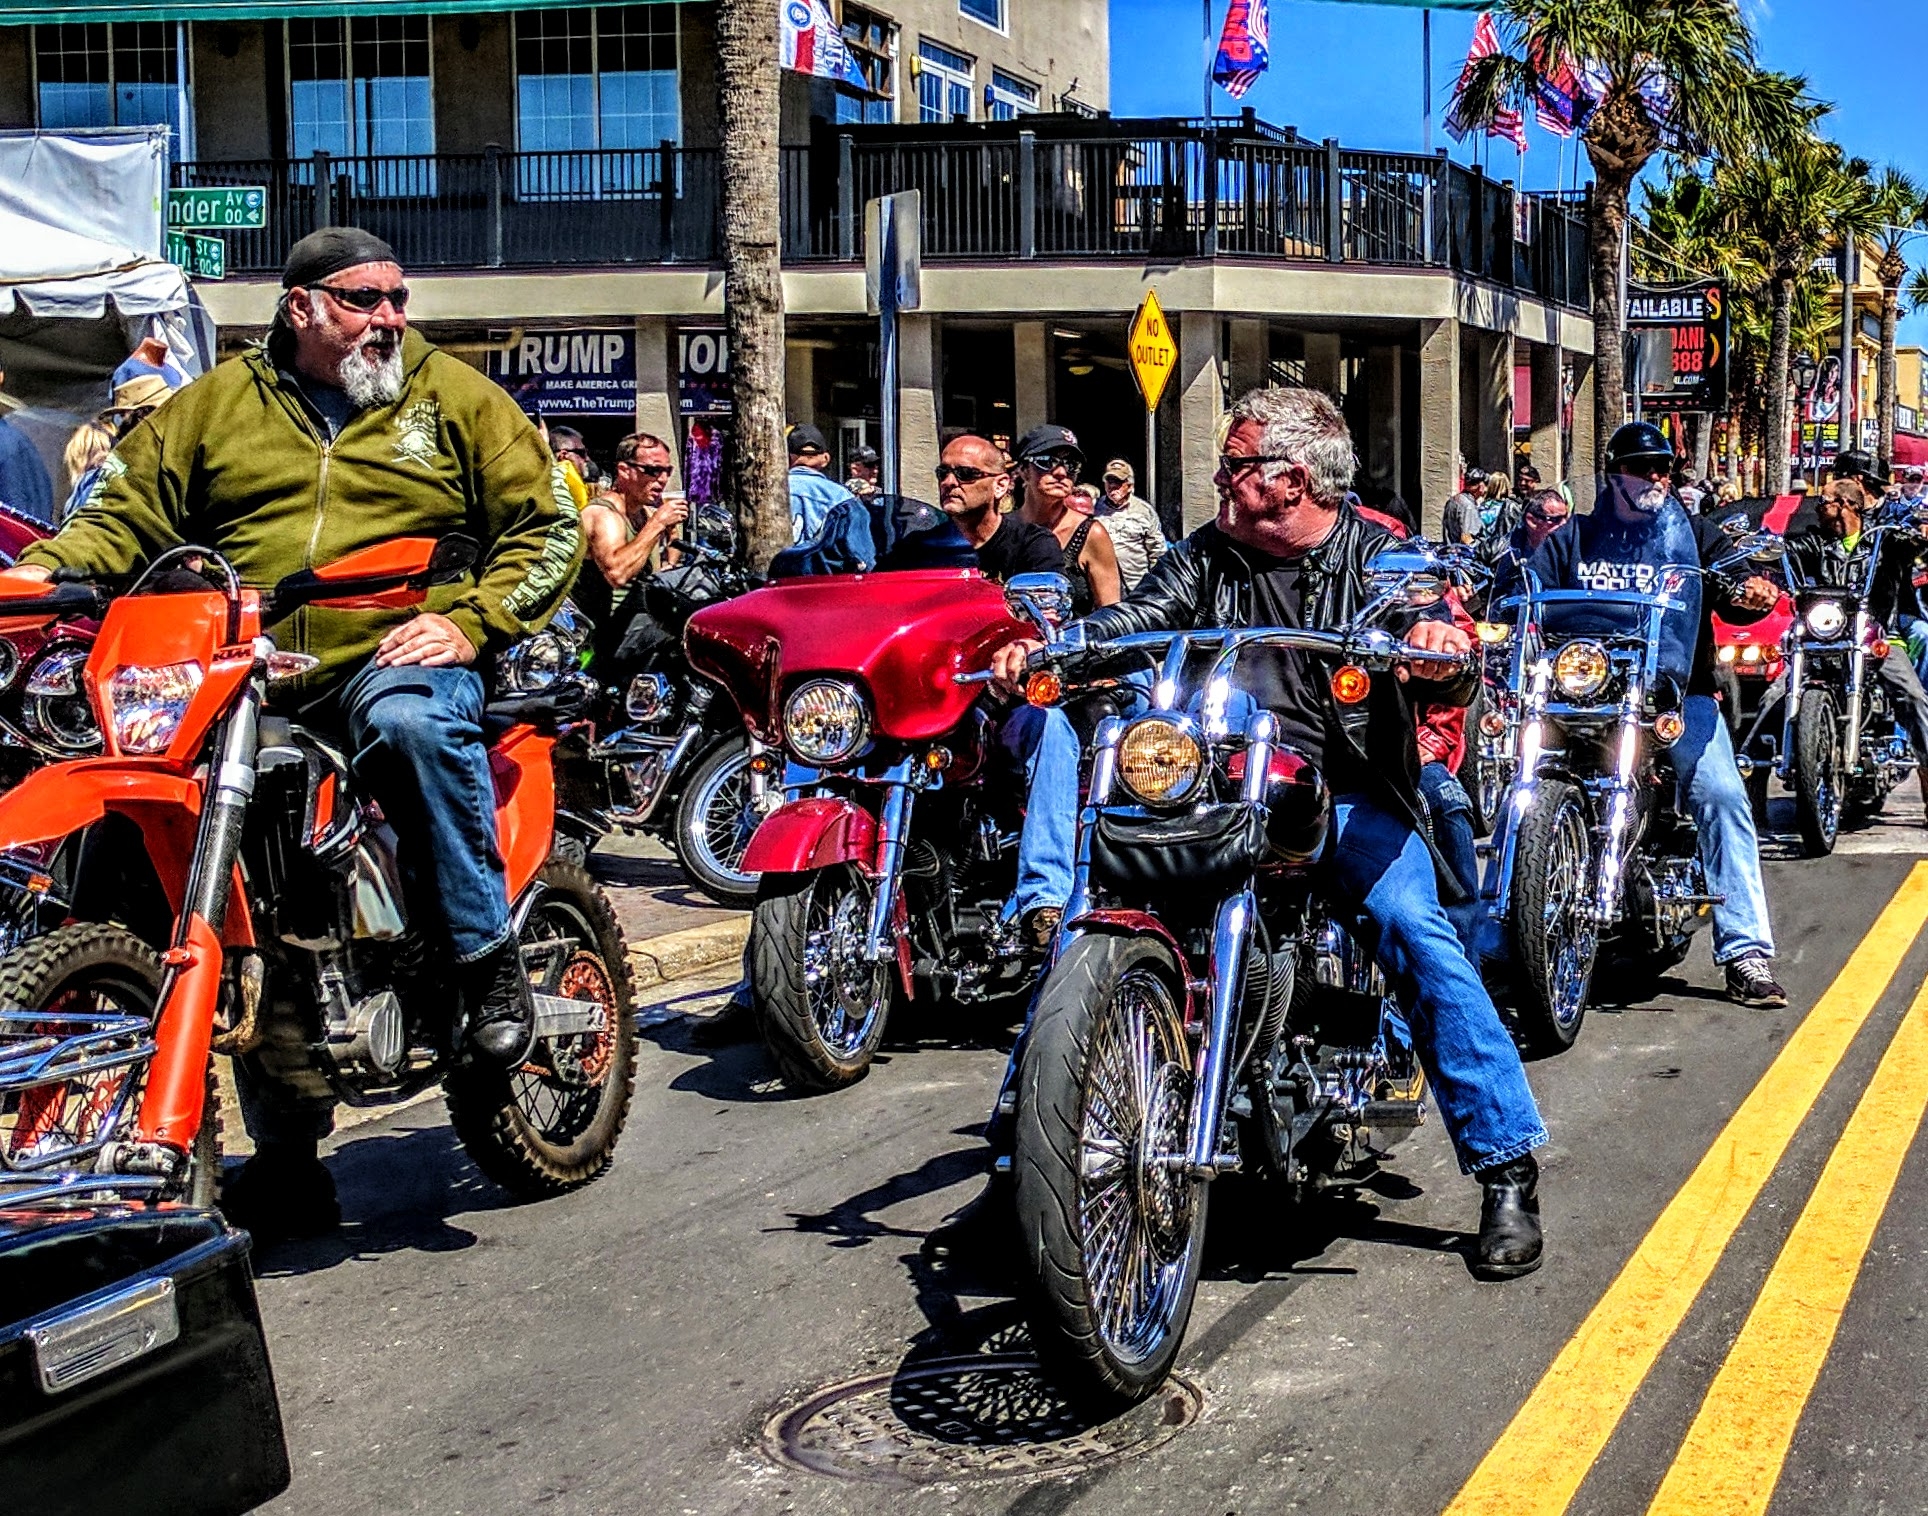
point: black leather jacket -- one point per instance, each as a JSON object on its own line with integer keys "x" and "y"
{"x": 1206, "y": 581}
{"x": 1824, "y": 561}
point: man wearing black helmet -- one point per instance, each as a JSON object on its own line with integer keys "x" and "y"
{"x": 1636, "y": 532}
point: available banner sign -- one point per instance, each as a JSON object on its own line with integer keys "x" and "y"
{"x": 578, "y": 372}
{"x": 1695, "y": 315}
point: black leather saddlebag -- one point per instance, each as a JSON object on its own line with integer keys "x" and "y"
{"x": 134, "y": 1377}
{"x": 1210, "y": 849}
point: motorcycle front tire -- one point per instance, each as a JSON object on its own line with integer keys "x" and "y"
{"x": 1554, "y": 945}
{"x": 1819, "y": 793}
{"x": 1101, "y": 992}
{"x": 820, "y": 1008}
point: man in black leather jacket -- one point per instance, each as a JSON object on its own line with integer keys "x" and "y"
{"x": 1286, "y": 550}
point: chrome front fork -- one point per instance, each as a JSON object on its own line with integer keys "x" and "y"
{"x": 1857, "y": 684}
{"x": 1620, "y": 796}
{"x": 1497, "y": 888}
{"x": 893, "y": 831}
{"x": 1796, "y": 677}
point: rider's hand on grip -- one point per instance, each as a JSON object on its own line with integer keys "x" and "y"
{"x": 1436, "y": 637}
{"x": 1012, "y": 662}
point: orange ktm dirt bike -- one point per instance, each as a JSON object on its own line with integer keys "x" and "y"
{"x": 236, "y": 895}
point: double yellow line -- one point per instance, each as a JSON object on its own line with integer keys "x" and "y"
{"x": 1733, "y": 1454}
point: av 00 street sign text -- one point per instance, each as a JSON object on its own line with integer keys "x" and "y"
{"x": 1154, "y": 352}
{"x": 229, "y": 207}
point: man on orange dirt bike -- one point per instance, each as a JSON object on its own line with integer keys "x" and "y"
{"x": 342, "y": 430}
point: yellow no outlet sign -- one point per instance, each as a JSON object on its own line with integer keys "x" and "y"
{"x": 1154, "y": 352}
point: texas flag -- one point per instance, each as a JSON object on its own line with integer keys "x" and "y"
{"x": 813, "y": 45}
{"x": 1242, "y": 47}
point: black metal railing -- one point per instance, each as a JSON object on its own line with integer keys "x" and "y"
{"x": 1044, "y": 187}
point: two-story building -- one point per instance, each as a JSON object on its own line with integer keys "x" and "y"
{"x": 548, "y": 177}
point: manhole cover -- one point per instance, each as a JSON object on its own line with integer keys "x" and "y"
{"x": 956, "y": 1420}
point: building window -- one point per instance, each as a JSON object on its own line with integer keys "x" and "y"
{"x": 108, "y": 74}
{"x": 362, "y": 88}
{"x": 872, "y": 40}
{"x": 990, "y": 12}
{"x": 1006, "y": 98}
{"x": 944, "y": 83}
{"x": 600, "y": 80}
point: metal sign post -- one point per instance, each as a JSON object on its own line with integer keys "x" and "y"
{"x": 893, "y": 277}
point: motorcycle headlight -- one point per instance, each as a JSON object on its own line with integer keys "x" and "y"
{"x": 58, "y": 673}
{"x": 533, "y": 664}
{"x": 1581, "y": 670}
{"x": 1826, "y": 619}
{"x": 146, "y": 704}
{"x": 1493, "y": 633}
{"x": 825, "y": 722}
{"x": 1160, "y": 762}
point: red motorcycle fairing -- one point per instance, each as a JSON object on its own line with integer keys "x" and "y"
{"x": 815, "y": 833}
{"x": 1126, "y": 923}
{"x": 902, "y": 635}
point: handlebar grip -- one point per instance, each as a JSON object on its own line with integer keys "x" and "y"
{"x": 984, "y": 676}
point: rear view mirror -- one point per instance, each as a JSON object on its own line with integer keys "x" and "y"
{"x": 1044, "y": 600}
{"x": 453, "y": 557}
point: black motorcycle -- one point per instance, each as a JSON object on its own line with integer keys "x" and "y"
{"x": 665, "y": 752}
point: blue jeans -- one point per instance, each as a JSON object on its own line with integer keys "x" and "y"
{"x": 1712, "y": 793}
{"x": 415, "y": 736}
{"x": 1450, "y": 809}
{"x": 1381, "y": 865}
{"x": 1040, "y": 743}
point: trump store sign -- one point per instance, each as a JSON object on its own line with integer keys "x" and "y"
{"x": 576, "y": 373}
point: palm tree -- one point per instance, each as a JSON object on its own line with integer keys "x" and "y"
{"x": 1792, "y": 206}
{"x": 1696, "y": 56}
{"x": 1902, "y": 207}
{"x": 754, "y": 458}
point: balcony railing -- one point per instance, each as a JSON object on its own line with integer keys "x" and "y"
{"x": 1057, "y": 188}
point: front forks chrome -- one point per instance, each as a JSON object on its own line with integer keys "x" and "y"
{"x": 893, "y": 829}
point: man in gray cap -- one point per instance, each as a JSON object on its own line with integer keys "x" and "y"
{"x": 346, "y": 429}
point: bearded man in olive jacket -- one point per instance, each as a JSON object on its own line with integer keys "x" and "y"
{"x": 343, "y": 430}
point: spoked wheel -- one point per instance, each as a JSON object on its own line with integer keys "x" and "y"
{"x": 551, "y": 1125}
{"x": 820, "y": 1003}
{"x": 1818, "y": 788}
{"x": 1550, "y": 918}
{"x": 716, "y": 815}
{"x": 91, "y": 970}
{"x": 1113, "y": 1225}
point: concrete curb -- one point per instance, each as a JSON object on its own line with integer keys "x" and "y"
{"x": 656, "y": 960}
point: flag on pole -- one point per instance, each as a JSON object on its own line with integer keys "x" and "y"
{"x": 1486, "y": 42}
{"x": 1242, "y": 47}
{"x": 1556, "y": 104}
{"x": 813, "y": 45}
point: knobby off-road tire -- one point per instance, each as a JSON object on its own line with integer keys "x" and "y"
{"x": 714, "y": 822}
{"x": 820, "y": 1008}
{"x": 1819, "y": 785}
{"x": 77, "y": 963}
{"x": 1549, "y": 918}
{"x": 529, "y": 1129}
{"x": 1095, "y": 1210}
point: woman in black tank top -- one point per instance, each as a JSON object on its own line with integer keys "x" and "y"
{"x": 1049, "y": 468}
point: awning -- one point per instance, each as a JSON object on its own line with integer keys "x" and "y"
{"x": 1911, "y": 448}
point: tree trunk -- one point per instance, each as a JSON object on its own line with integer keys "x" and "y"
{"x": 1779, "y": 415}
{"x": 1885, "y": 378}
{"x": 1607, "y": 213}
{"x": 755, "y": 464}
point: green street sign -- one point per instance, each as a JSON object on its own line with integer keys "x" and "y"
{"x": 204, "y": 257}
{"x": 230, "y": 207}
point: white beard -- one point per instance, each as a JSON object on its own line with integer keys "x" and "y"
{"x": 369, "y": 378}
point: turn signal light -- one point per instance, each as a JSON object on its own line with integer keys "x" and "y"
{"x": 1668, "y": 727}
{"x": 1880, "y": 648}
{"x": 937, "y": 759}
{"x": 1044, "y": 688}
{"x": 1492, "y": 724}
{"x": 1350, "y": 684}
{"x": 766, "y": 763}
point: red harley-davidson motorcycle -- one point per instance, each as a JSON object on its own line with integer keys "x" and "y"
{"x": 885, "y": 871}
{"x": 234, "y": 894}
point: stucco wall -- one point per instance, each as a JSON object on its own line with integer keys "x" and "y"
{"x": 230, "y": 66}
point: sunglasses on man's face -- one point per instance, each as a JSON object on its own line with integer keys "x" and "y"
{"x": 964, "y": 474}
{"x": 1541, "y": 518}
{"x": 1050, "y": 463}
{"x": 367, "y": 297}
{"x": 652, "y": 470}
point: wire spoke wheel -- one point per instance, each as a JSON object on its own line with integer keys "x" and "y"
{"x": 716, "y": 816}
{"x": 1555, "y": 937}
{"x": 847, "y": 993}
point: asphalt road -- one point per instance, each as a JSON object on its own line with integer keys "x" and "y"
{"x": 1697, "y": 1341}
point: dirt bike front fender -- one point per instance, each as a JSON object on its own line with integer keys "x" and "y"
{"x": 816, "y": 833}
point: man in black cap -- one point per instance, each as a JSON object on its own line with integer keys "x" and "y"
{"x": 346, "y": 429}
{"x": 863, "y": 472}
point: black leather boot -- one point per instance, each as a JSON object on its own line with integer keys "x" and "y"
{"x": 502, "y": 1012}
{"x": 1509, "y": 1220}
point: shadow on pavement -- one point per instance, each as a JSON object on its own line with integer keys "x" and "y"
{"x": 398, "y": 1191}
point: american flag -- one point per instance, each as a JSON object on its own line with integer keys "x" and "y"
{"x": 1242, "y": 47}
{"x": 1506, "y": 121}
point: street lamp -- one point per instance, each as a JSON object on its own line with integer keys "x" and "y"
{"x": 1805, "y": 372}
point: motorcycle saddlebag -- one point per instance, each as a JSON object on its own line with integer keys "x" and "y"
{"x": 134, "y": 1377}
{"x": 1200, "y": 852}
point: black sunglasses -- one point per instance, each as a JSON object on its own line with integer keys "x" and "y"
{"x": 963, "y": 473}
{"x": 1230, "y": 464}
{"x": 1541, "y": 518}
{"x": 367, "y": 297}
{"x": 650, "y": 470}
{"x": 1045, "y": 463}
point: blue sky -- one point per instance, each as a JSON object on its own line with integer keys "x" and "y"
{"x": 1352, "y": 71}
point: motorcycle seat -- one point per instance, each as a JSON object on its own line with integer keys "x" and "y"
{"x": 545, "y": 710}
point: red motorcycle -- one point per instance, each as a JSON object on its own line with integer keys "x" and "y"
{"x": 885, "y": 871}
{"x": 236, "y": 895}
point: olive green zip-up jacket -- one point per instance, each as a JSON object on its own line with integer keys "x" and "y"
{"x": 237, "y": 462}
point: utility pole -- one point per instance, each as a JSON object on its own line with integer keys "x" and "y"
{"x": 1850, "y": 417}
{"x": 1426, "y": 76}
